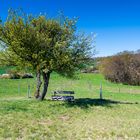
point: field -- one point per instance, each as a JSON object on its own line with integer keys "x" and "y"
{"x": 116, "y": 117}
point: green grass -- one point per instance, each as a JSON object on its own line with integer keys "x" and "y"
{"x": 115, "y": 117}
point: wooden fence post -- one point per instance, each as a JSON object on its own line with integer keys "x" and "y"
{"x": 101, "y": 92}
{"x": 28, "y": 89}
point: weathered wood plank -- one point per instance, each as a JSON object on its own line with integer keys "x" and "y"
{"x": 63, "y": 92}
{"x": 63, "y": 98}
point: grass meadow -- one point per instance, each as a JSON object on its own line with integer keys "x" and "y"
{"x": 116, "y": 117}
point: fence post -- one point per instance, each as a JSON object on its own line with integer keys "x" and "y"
{"x": 101, "y": 92}
{"x": 19, "y": 86}
{"x": 28, "y": 90}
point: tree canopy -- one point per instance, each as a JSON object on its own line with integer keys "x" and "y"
{"x": 45, "y": 44}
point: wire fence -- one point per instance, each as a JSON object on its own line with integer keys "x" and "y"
{"x": 83, "y": 89}
{"x": 27, "y": 87}
{"x": 17, "y": 87}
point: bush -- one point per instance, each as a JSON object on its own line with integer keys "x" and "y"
{"x": 5, "y": 76}
{"x": 90, "y": 69}
{"x": 27, "y": 75}
{"x": 14, "y": 74}
{"x": 122, "y": 68}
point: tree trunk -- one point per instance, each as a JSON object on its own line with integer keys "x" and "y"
{"x": 38, "y": 86}
{"x": 46, "y": 77}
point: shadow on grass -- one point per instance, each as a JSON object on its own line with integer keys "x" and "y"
{"x": 88, "y": 102}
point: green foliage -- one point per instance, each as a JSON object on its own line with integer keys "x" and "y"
{"x": 44, "y": 43}
{"x": 3, "y": 70}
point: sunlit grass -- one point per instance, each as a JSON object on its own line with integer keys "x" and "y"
{"x": 115, "y": 117}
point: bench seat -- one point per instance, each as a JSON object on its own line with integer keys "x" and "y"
{"x": 64, "y": 95}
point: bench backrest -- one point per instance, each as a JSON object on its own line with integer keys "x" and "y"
{"x": 63, "y": 92}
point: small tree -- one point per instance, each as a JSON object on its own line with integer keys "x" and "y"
{"x": 44, "y": 44}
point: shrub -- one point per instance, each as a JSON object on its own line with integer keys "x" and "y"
{"x": 123, "y": 68}
{"x": 27, "y": 75}
{"x": 14, "y": 74}
{"x": 5, "y": 76}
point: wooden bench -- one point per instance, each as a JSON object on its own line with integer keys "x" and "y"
{"x": 65, "y": 95}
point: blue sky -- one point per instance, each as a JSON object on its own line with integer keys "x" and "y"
{"x": 116, "y": 22}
